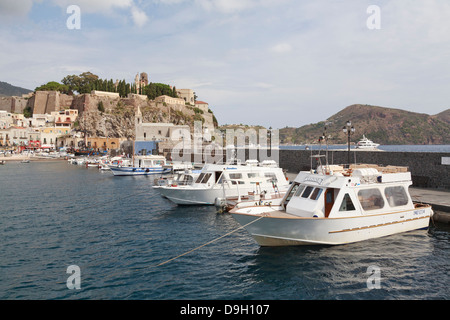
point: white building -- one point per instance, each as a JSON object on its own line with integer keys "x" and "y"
{"x": 158, "y": 131}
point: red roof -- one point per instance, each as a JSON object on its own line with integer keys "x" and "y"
{"x": 200, "y": 102}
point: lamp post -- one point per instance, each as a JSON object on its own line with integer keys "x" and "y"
{"x": 349, "y": 130}
{"x": 269, "y": 132}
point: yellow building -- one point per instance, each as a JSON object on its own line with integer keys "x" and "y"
{"x": 48, "y": 135}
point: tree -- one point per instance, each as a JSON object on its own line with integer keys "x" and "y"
{"x": 100, "y": 106}
{"x": 27, "y": 112}
{"x": 82, "y": 83}
{"x": 53, "y": 86}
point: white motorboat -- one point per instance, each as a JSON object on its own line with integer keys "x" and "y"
{"x": 333, "y": 205}
{"x": 365, "y": 143}
{"x": 219, "y": 181}
{"x": 142, "y": 165}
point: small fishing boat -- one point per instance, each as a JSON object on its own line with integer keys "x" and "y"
{"x": 141, "y": 165}
{"x": 333, "y": 205}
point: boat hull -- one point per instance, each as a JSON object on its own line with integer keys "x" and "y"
{"x": 190, "y": 196}
{"x": 132, "y": 171}
{"x": 268, "y": 230}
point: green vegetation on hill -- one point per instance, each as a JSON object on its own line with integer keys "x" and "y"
{"x": 87, "y": 82}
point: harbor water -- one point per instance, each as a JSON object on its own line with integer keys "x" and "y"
{"x": 118, "y": 231}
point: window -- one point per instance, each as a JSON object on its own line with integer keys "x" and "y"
{"x": 252, "y": 175}
{"x": 371, "y": 199}
{"x": 300, "y": 190}
{"x": 347, "y": 204}
{"x": 271, "y": 175}
{"x": 200, "y": 177}
{"x": 290, "y": 193}
{"x": 203, "y": 178}
{"x": 396, "y": 196}
{"x": 235, "y": 176}
{"x": 307, "y": 192}
{"x": 316, "y": 194}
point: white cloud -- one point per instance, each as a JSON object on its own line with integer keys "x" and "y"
{"x": 139, "y": 16}
{"x": 97, "y": 6}
{"x": 281, "y": 48}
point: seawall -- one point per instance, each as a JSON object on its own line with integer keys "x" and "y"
{"x": 426, "y": 168}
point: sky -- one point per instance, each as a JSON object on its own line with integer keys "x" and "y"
{"x": 274, "y": 63}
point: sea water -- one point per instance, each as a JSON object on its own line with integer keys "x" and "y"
{"x": 119, "y": 233}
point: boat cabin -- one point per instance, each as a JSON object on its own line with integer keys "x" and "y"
{"x": 245, "y": 176}
{"x": 334, "y": 192}
{"x": 149, "y": 161}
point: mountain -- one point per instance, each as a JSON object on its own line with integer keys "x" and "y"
{"x": 7, "y": 89}
{"x": 380, "y": 124}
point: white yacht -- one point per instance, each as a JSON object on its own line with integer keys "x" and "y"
{"x": 365, "y": 143}
{"x": 219, "y": 181}
{"x": 333, "y": 205}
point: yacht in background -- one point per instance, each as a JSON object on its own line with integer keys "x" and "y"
{"x": 367, "y": 144}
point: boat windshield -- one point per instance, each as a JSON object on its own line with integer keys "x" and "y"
{"x": 294, "y": 188}
{"x": 203, "y": 177}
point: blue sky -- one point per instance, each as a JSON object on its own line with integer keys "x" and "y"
{"x": 270, "y": 62}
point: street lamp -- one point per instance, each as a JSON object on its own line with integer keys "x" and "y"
{"x": 349, "y": 130}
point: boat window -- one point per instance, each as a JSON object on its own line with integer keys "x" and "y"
{"x": 300, "y": 190}
{"x": 200, "y": 177}
{"x": 237, "y": 182}
{"x": 307, "y": 192}
{"x": 206, "y": 178}
{"x": 396, "y": 196}
{"x": 235, "y": 176}
{"x": 218, "y": 176}
{"x": 371, "y": 199}
{"x": 271, "y": 175}
{"x": 252, "y": 175}
{"x": 203, "y": 178}
{"x": 316, "y": 193}
{"x": 347, "y": 204}
{"x": 290, "y": 193}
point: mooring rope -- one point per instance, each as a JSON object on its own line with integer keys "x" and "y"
{"x": 207, "y": 243}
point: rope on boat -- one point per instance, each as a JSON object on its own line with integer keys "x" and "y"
{"x": 212, "y": 241}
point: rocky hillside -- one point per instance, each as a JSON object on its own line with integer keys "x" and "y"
{"x": 107, "y": 117}
{"x": 382, "y": 125}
